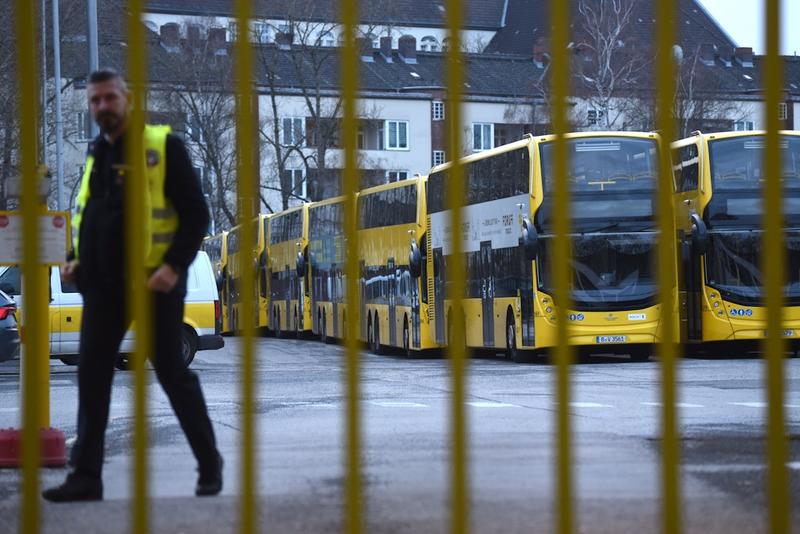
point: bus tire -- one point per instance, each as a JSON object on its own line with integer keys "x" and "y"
{"x": 512, "y": 351}
{"x": 406, "y": 340}
{"x": 323, "y": 336}
{"x": 376, "y": 335}
{"x": 278, "y": 332}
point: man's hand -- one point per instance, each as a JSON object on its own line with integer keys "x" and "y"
{"x": 68, "y": 272}
{"x": 163, "y": 280}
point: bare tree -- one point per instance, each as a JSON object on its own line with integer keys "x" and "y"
{"x": 607, "y": 63}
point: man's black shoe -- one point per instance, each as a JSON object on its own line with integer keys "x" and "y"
{"x": 75, "y": 488}
{"x": 210, "y": 483}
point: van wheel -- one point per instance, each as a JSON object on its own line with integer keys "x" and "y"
{"x": 376, "y": 336}
{"x": 406, "y": 340}
{"x": 188, "y": 345}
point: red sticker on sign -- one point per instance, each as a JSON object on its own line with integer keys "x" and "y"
{"x": 58, "y": 221}
{"x": 3, "y": 221}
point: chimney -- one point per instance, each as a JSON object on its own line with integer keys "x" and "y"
{"x": 386, "y": 49}
{"x": 364, "y": 45}
{"x": 193, "y": 36}
{"x": 707, "y": 53}
{"x": 407, "y": 49}
{"x": 216, "y": 41}
{"x": 725, "y": 54}
{"x": 744, "y": 57}
{"x": 541, "y": 52}
{"x": 170, "y": 37}
{"x": 284, "y": 40}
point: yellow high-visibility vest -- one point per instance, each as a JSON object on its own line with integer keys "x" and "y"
{"x": 163, "y": 220}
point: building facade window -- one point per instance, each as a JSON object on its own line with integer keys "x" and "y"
{"x": 783, "y": 111}
{"x": 438, "y": 157}
{"x": 396, "y": 176}
{"x": 326, "y": 39}
{"x": 83, "y": 125}
{"x": 232, "y": 31}
{"x": 743, "y": 126}
{"x": 438, "y": 110}
{"x": 261, "y": 33}
{"x": 482, "y": 136}
{"x": 594, "y": 117}
{"x": 297, "y": 179}
{"x": 293, "y": 131}
{"x": 429, "y": 43}
{"x": 396, "y": 135}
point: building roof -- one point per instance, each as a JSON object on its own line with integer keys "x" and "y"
{"x": 479, "y": 14}
{"x": 529, "y": 21}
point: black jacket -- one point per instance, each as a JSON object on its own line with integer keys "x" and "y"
{"x": 102, "y": 231}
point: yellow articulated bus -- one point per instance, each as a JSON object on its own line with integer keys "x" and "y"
{"x": 327, "y": 267}
{"x": 507, "y": 238}
{"x": 217, "y": 249}
{"x": 394, "y": 297}
{"x": 261, "y": 283}
{"x": 231, "y": 281}
{"x": 719, "y": 181}
{"x": 290, "y": 301}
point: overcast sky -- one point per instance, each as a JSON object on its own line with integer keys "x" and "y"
{"x": 744, "y": 21}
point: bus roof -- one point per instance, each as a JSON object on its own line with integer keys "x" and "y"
{"x": 383, "y": 187}
{"x": 730, "y": 135}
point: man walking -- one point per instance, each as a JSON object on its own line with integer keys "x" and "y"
{"x": 177, "y": 221}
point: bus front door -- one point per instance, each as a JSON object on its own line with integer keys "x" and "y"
{"x": 438, "y": 295}
{"x": 392, "y": 300}
{"x": 487, "y": 292}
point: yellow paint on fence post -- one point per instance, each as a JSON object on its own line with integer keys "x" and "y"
{"x": 349, "y": 82}
{"x": 139, "y": 301}
{"x": 773, "y": 264}
{"x": 35, "y": 310}
{"x": 456, "y": 272}
{"x": 665, "y": 84}
{"x": 245, "y": 175}
{"x": 561, "y": 274}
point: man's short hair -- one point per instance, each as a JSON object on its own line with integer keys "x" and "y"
{"x": 105, "y": 75}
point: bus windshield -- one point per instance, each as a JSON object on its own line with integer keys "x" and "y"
{"x": 737, "y": 163}
{"x": 733, "y": 265}
{"x": 610, "y": 271}
{"x": 605, "y": 164}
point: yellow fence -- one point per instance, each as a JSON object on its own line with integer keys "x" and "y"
{"x": 35, "y": 312}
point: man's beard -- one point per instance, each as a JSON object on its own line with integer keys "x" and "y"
{"x": 108, "y": 122}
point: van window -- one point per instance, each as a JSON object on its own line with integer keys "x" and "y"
{"x": 10, "y": 281}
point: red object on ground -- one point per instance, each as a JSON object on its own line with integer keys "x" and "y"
{"x": 52, "y": 446}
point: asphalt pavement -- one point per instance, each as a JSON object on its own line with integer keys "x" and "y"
{"x": 406, "y": 408}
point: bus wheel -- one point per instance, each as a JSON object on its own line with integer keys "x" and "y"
{"x": 376, "y": 336}
{"x": 512, "y": 351}
{"x": 278, "y": 333}
{"x": 406, "y": 340}
{"x": 323, "y": 336}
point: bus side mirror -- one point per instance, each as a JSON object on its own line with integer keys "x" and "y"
{"x": 415, "y": 260}
{"x": 301, "y": 265}
{"x": 262, "y": 259}
{"x": 530, "y": 240}
{"x": 699, "y": 235}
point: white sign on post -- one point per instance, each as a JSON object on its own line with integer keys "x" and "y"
{"x": 52, "y": 238}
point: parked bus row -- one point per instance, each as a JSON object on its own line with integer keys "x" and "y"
{"x": 405, "y": 244}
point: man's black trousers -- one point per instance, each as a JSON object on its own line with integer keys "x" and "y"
{"x": 103, "y": 326}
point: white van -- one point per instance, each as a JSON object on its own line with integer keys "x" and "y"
{"x": 202, "y": 320}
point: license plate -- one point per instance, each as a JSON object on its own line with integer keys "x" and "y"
{"x": 611, "y": 339}
{"x": 786, "y": 333}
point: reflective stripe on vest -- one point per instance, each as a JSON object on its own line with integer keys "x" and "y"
{"x": 162, "y": 221}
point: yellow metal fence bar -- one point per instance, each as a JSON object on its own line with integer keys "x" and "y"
{"x": 561, "y": 273}
{"x": 773, "y": 264}
{"x": 349, "y": 79}
{"x": 245, "y": 175}
{"x": 456, "y": 272}
{"x": 139, "y": 300}
{"x": 35, "y": 310}
{"x": 667, "y": 350}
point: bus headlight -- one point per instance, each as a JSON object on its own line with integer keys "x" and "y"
{"x": 716, "y": 304}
